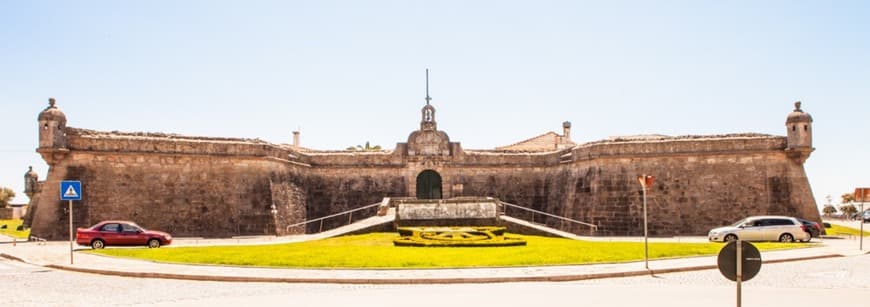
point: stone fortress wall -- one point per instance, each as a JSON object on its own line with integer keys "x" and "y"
{"x": 221, "y": 187}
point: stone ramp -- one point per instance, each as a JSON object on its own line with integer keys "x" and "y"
{"x": 356, "y": 227}
{"x": 522, "y": 226}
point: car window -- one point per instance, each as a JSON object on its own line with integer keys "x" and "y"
{"x": 111, "y": 227}
{"x": 781, "y": 222}
{"x": 128, "y": 227}
{"x": 739, "y": 223}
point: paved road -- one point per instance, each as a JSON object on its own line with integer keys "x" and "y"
{"x": 828, "y": 282}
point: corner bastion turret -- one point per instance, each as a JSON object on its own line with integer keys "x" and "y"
{"x": 52, "y": 133}
{"x": 799, "y": 126}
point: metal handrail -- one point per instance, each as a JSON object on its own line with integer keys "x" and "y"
{"x": 330, "y": 216}
{"x": 594, "y": 227}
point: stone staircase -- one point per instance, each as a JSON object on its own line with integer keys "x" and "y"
{"x": 462, "y": 211}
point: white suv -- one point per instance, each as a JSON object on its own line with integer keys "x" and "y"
{"x": 762, "y": 228}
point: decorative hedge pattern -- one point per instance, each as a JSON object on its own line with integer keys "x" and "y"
{"x": 460, "y": 236}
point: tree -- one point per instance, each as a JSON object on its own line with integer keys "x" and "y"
{"x": 848, "y": 210}
{"x": 367, "y": 147}
{"x": 829, "y": 210}
{"x": 6, "y": 195}
{"x": 847, "y": 198}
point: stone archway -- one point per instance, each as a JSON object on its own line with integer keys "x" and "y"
{"x": 429, "y": 185}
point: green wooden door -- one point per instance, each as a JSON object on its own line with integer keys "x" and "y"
{"x": 429, "y": 185}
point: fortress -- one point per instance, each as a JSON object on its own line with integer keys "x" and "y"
{"x": 221, "y": 187}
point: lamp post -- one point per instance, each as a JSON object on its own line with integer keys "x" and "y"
{"x": 645, "y": 182}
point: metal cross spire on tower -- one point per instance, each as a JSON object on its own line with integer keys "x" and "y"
{"x": 427, "y": 87}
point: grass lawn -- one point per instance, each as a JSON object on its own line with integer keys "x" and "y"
{"x": 11, "y": 225}
{"x": 376, "y": 250}
{"x": 837, "y": 230}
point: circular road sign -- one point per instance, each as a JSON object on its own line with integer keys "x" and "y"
{"x": 751, "y": 263}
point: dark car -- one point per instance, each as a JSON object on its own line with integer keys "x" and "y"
{"x": 813, "y": 228}
{"x": 861, "y": 215}
{"x": 108, "y": 233}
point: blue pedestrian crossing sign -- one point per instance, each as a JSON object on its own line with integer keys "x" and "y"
{"x": 70, "y": 190}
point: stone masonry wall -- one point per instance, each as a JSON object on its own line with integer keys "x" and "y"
{"x": 691, "y": 194}
{"x": 538, "y": 188}
{"x": 701, "y": 183}
{"x": 215, "y": 187}
{"x": 186, "y": 195}
{"x": 334, "y": 190}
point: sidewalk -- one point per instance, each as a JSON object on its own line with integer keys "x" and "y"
{"x": 56, "y": 255}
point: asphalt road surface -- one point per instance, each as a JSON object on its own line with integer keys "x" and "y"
{"x": 827, "y": 282}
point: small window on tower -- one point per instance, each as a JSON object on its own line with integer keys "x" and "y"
{"x": 793, "y": 128}
{"x": 805, "y": 127}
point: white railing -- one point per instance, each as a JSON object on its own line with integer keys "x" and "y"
{"x": 320, "y": 219}
{"x": 533, "y": 211}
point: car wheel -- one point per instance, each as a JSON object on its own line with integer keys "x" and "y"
{"x": 153, "y": 243}
{"x": 730, "y": 238}
{"x": 98, "y": 244}
{"x": 786, "y": 237}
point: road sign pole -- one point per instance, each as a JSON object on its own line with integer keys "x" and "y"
{"x": 861, "y": 227}
{"x": 645, "y": 183}
{"x": 645, "y": 233}
{"x": 70, "y": 190}
{"x": 70, "y": 233}
{"x": 861, "y": 196}
{"x": 739, "y": 272}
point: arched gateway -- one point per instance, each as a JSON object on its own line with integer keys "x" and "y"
{"x": 429, "y": 185}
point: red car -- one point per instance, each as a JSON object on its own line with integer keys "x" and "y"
{"x": 120, "y": 233}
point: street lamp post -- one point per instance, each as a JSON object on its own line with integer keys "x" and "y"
{"x": 645, "y": 182}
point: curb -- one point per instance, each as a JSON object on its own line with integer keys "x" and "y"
{"x": 409, "y": 281}
{"x": 10, "y": 257}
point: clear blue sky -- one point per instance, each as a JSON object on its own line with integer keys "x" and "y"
{"x": 347, "y": 72}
